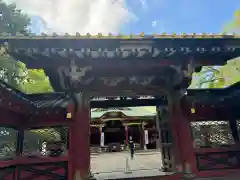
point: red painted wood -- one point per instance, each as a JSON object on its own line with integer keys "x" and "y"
{"x": 39, "y": 163}
{"x": 10, "y": 118}
{"x": 186, "y": 141}
{"x": 206, "y": 112}
{"x": 79, "y": 142}
{"x": 219, "y": 173}
{"x": 33, "y": 160}
{"x": 174, "y": 126}
{"x": 182, "y": 138}
{"x": 221, "y": 149}
{"x": 9, "y": 101}
{"x": 47, "y": 120}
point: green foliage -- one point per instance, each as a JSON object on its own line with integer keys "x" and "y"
{"x": 12, "y": 72}
{"x": 234, "y": 25}
{"x": 217, "y": 77}
{"x": 37, "y": 82}
{"x": 12, "y": 20}
{"x": 222, "y": 76}
{"x": 231, "y": 72}
{"x": 29, "y": 81}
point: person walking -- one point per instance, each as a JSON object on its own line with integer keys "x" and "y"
{"x": 131, "y": 147}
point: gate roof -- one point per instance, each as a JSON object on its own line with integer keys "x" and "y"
{"x": 140, "y": 63}
{"x": 25, "y": 103}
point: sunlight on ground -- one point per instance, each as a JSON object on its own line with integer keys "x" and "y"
{"x": 116, "y": 162}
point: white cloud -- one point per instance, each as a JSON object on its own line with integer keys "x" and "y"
{"x": 154, "y": 23}
{"x": 71, "y": 16}
{"x": 144, "y": 4}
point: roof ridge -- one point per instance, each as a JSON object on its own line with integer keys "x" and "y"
{"x": 141, "y": 35}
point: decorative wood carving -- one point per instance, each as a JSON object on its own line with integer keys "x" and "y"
{"x": 109, "y": 81}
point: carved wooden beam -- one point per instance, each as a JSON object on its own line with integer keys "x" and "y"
{"x": 124, "y": 47}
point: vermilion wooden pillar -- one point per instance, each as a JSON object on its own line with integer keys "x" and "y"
{"x": 79, "y": 141}
{"x": 186, "y": 142}
{"x": 182, "y": 136}
{"x": 175, "y": 136}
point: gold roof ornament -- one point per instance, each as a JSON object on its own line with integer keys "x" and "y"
{"x": 120, "y": 35}
{"x": 66, "y": 35}
{"x": 43, "y": 34}
{"x": 192, "y": 35}
{"x": 153, "y": 35}
{"x": 19, "y": 34}
{"x": 141, "y": 34}
{"x": 55, "y": 34}
{"x": 183, "y": 34}
{"x": 174, "y": 34}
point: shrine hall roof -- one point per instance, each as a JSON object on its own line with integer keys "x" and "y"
{"x": 142, "y": 111}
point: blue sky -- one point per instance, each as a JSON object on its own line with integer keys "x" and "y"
{"x": 178, "y": 16}
{"x": 183, "y": 15}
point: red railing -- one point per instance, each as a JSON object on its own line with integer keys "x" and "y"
{"x": 41, "y": 168}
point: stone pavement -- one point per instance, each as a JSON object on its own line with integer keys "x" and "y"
{"x": 133, "y": 175}
{"x": 116, "y": 162}
{"x": 145, "y": 164}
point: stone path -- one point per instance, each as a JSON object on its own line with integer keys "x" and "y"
{"x": 116, "y": 162}
{"x": 113, "y": 166}
{"x": 133, "y": 175}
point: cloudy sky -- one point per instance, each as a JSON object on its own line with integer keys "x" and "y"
{"x": 149, "y": 16}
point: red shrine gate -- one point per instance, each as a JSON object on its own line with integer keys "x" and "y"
{"x": 210, "y": 157}
{"x": 85, "y": 67}
{"x": 214, "y": 121}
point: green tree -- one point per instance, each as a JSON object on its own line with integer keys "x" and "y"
{"x": 223, "y": 76}
{"x": 13, "y": 20}
{"x": 12, "y": 72}
{"x": 15, "y": 73}
{"x": 37, "y": 82}
{"x": 231, "y": 72}
{"x": 220, "y": 77}
{"x": 234, "y": 25}
{"x": 206, "y": 78}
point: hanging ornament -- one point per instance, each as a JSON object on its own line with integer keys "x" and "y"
{"x": 69, "y": 115}
{"x": 193, "y": 110}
